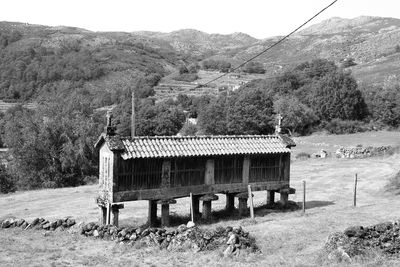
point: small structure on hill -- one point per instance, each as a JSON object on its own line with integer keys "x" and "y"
{"x": 162, "y": 168}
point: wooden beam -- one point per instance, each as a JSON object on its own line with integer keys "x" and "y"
{"x": 177, "y": 192}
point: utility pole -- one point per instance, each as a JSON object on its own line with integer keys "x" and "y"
{"x": 133, "y": 117}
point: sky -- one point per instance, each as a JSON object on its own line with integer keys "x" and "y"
{"x": 259, "y": 18}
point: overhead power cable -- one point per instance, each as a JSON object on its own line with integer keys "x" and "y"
{"x": 269, "y": 47}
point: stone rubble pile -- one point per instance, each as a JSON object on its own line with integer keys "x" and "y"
{"x": 182, "y": 238}
{"x": 362, "y": 152}
{"x": 358, "y": 240}
{"x": 38, "y": 223}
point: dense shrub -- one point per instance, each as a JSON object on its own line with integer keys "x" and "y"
{"x": 186, "y": 77}
{"x": 220, "y": 65}
{"x": 303, "y": 155}
{"x": 337, "y": 126}
{"x": 7, "y": 184}
{"x": 188, "y": 129}
{"x": 254, "y": 67}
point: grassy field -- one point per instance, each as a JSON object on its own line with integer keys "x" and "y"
{"x": 285, "y": 238}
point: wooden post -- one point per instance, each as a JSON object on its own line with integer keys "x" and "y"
{"x": 108, "y": 219}
{"x": 246, "y": 170}
{"x": 230, "y": 202}
{"x": 152, "y": 216}
{"x": 191, "y": 207}
{"x": 251, "y": 202}
{"x": 166, "y": 174}
{"x": 209, "y": 174}
{"x": 355, "y": 191}
{"x": 133, "y": 117}
{"x": 304, "y": 196}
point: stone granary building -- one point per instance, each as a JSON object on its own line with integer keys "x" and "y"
{"x": 161, "y": 169}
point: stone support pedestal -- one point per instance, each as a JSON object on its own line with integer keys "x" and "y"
{"x": 284, "y": 198}
{"x": 243, "y": 210}
{"x": 243, "y": 207}
{"x": 165, "y": 210}
{"x": 270, "y": 197}
{"x": 115, "y": 213}
{"x": 152, "y": 216}
{"x": 206, "y": 212}
{"x": 230, "y": 202}
{"x": 196, "y": 206}
{"x": 103, "y": 215}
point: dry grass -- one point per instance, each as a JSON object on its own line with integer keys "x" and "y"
{"x": 285, "y": 238}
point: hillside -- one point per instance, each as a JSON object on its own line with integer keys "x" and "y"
{"x": 189, "y": 41}
{"x": 371, "y": 41}
{"x": 38, "y": 59}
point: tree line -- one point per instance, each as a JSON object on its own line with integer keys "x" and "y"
{"x": 53, "y": 145}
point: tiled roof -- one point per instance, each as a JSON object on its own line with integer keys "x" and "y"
{"x": 188, "y": 146}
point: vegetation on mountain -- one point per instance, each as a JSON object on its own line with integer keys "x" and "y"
{"x": 74, "y": 75}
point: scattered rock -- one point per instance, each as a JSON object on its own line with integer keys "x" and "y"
{"x": 96, "y": 233}
{"x": 357, "y": 240}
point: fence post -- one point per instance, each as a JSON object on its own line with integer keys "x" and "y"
{"x": 304, "y": 196}
{"x": 251, "y": 202}
{"x": 355, "y": 191}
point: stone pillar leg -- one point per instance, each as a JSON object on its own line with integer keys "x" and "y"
{"x": 103, "y": 215}
{"x": 284, "y": 198}
{"x": 152, "y": 216}
{"x": 230, "y": 202}
{"x": 115, "y": 216}
{"x": 196, "y": 206}
{"x": 270, "y": 197}
{"x": 206, "y": 210}
{"x": 206, "y": 213}
{"x": 242, "y": 206}
{"x": 165, "y": 210}
{"x": 165, "y": 214}
{"x": 115, "y": 213}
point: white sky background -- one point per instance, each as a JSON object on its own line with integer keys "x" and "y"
{"x": 259, "y": 18}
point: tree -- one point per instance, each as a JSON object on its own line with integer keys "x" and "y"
{"x": 296, "y": 116}
{"x": 152, "y": 118}
{"x": 254, "y": 67}
{"x": 188, "y": 129}
{"x": 250, "y": 112}
{"x": 336, "y": 96}
{"x": 384, "y": 103}
{"x": 212, "y": 118}
{"x": 53, "y": 146}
